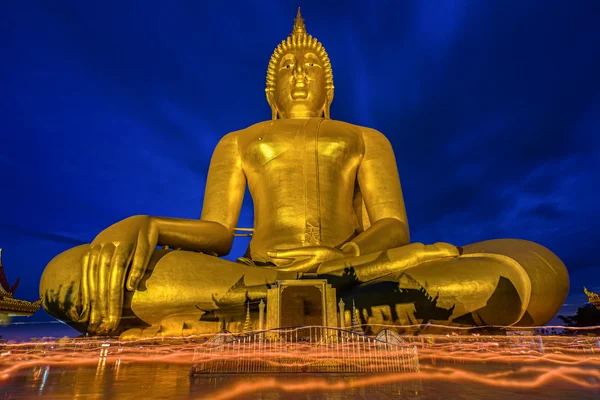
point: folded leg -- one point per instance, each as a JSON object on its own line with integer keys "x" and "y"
{"x": 465, "y": 291}
{"x": 498, "y": 282}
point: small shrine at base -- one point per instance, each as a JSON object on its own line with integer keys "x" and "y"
{"x": 9, "y": 306}
{"x": 292, "y": 304}
{"x": 310, "y": 302}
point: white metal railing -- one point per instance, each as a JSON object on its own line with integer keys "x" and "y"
{"x": 304, "y": 349}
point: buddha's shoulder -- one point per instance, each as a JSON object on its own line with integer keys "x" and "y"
{"x": 329, "y": 124}
{"x": 244, "y": 133}
{"x": 364, "y": 131}
{"x": 255, "y": 128}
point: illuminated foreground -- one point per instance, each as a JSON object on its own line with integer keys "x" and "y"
{"x": 472, "y": 366}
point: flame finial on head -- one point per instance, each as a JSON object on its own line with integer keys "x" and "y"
{"x": 299, "y": 27}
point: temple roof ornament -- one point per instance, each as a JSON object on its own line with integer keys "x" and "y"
{"x": 356, "y": 323}
{"x": 10, "y": 306}
{"x": 248, "y": 322}
{"x": 593, "y": 298}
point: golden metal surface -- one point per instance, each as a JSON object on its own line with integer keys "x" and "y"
{"x": 327, "y": 204}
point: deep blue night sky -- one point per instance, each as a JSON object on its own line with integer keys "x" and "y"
{"x": 110, "y": 109}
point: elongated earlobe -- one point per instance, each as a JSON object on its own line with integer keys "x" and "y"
{"x": 327, "y": 108}
{"x": 272, "y": 105}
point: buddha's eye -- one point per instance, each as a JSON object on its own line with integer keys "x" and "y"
{"x": 286, "y": 66}
{"x": 310, "y": 64}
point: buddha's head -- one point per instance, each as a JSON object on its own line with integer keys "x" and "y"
{"x": 299, "y": 76}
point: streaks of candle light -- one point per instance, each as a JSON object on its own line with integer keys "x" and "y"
{"x": 523, "y": 362}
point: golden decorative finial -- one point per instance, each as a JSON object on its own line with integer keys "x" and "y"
{"x": 593, "y": 298}
{"x": 299, "y": 27}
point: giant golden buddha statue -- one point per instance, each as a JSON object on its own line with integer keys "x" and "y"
{"x": 327, "y": 204}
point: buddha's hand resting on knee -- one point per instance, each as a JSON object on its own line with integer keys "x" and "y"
{"x": 307, "y": 259}
{"x": 121, "y": 251}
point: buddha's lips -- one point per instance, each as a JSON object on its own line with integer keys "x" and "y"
{"x": 299, "y": 92}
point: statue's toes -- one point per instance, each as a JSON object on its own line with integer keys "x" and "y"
{"x": 152, "y": 331}
{"x": 141, "y": 333}
{"x": 131, "y": 334}
{"x": 447, "y": 249}
{"x": 179, "y": 324}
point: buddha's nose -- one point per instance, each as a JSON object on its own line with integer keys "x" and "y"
{"x": 299, "y": 71}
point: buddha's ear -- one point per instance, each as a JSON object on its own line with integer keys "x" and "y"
{"x": 271, "y": 101}
{"x": 328, "y": 101}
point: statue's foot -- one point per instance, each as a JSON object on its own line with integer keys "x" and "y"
{"x": 140, "y": 333}
{"x": 177, "y": 325}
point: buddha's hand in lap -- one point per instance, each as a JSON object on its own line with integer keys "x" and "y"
{"x": 306, "y": 259}
{"x": 120, "y": 252}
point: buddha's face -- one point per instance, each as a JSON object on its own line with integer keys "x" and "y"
{"x": 300, "y": 87}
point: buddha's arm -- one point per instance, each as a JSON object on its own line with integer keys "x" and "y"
{"x": 194, "y": 235}
{"x": 225, "y": 187}
{"x": 380, "y": 187}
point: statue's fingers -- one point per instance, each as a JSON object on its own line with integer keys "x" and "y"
{"x": 84, "y": 287}
{"x": 92, "y": 277}
{"x": 106, "y": 256}
{"x": 116, "y": 288}
{"x": 298, "y": 266}
{"x": 141, "y": 256}
{"x": 290, "y": 253}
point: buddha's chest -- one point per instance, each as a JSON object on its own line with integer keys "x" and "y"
{"x": 309, "y": 145}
